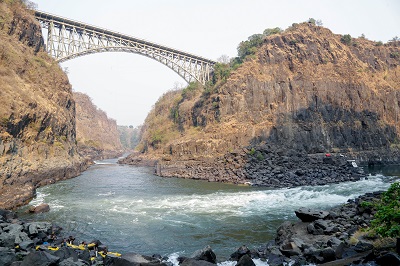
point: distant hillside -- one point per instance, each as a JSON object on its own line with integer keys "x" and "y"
{"x": 129, "y": 136}
{"x": 97, "y": 134}
{"x": 305, "y": 89}
{"x": 37, "y": 111}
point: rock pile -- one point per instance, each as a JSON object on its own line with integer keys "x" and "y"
{"x": 273, "y": 167}
{"x": 264, "y": 165}
{"x": 327, "y": 236}
{"x": 41, "y": 243}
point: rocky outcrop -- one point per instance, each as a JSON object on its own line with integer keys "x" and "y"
{"x": 338, "y": 237}
{"x": 97, "y": 134}
{"x": 264, "y": 166}
{"x": 303, "y": 92}
{"x": 37, "y": 111}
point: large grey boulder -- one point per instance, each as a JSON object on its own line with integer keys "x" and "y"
{"x": 132, "y": 259}
{"x": 308, "y": 215}
{"x": 72, "y": 262}
{"x": 65, "y": 253}
{"x": 37, "y": 227}
{"x": 193, "y": 262}
{"x": 205, "y": 254}
{"x": 7, "y": 256}
{"x": 40, "y": 258}
{"x": 245, "y": 261}
{"x": 243, "y": 250}
{"x": 21, "y": 237}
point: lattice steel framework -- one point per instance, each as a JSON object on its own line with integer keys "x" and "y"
{"x": 67, "y": 39}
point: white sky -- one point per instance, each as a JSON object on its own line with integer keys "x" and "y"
{"x": 127, "y": 85}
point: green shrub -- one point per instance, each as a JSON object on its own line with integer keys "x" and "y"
{"x": 346, "y": 39}
{"x": 252, "y": 151}
{"x": 259, "y": 156}
{"x": 271, "y": 31}
{"x": 312, "y": 21}
{"x": 386, "y": 220}
{"x": 394, "y": 55}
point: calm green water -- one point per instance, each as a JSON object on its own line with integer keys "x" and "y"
{"x": 131, "y": 210}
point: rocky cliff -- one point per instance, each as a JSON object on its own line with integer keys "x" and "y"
{"x": 37, "y": 111}
{"x": 97, "y": 135}
{"x": 305, "y": 91}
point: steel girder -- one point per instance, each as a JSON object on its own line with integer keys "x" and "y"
{"x": 67, "y": 39}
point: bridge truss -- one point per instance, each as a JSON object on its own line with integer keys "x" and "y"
{"x": 68, "y": 39}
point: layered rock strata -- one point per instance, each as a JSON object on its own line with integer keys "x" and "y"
{"x": 304, "y": 91}
{"x": 37, "y": 111}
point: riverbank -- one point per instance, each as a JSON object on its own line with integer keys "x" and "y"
{"x": 264, "y": 166}
{"x": 333, "y": 236}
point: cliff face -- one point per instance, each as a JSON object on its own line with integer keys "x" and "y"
{"x": 305, "y": 91}
{"x": 37, "y": 111}
{"x": 97, "y": 134}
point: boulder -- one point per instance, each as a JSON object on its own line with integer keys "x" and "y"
{"x": 388, "y": 259}
{"x": 44, "y": 207}
{"x": 308, "y": 215}
{"x": 72, "y": 262}
{"x": 40, "y": 258}
{"x": 25, "y": 245}
{"x": 245, "y": 260}
{"x": 243, "y": 250}
{"x": 193, "y": 262}
{"x": 328, "y": 254}
{"x": 65, "y": 253}
{"x": 7, "y": 256}
{"x": 132, "y": 259}
{"x": 21, "y": 237}
{"x": 7, "y": 215}
{"x": 36, "y": 227}
{"x": 362, "y": 246}
{"x": 205, "y": 254}
{"x": 290, "y": 249}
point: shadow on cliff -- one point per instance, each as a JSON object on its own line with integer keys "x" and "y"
{"x": 327, "y": 128}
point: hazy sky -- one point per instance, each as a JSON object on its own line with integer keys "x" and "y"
{"x": 127, "y": 85}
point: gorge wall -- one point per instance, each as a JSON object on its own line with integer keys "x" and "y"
{"x": 97, "y": 135}
{"x": 304, "y": 92}
{"x": 37, "y": 111}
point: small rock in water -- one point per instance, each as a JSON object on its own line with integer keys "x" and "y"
{"x": 44, "y": 207}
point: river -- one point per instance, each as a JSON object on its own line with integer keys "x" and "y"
{"x": 131, "y": 210}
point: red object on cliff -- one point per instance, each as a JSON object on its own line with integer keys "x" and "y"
{"x": 327, "y": 155}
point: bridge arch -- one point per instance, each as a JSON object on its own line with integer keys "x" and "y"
{"x": 68, "y": 39}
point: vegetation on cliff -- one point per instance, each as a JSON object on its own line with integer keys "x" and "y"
{"x": 37, "y": 111}
{"x": 129, "y": 136}
{"x": 96, "y": 133}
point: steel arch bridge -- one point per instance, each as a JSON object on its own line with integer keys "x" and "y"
{"x": 68, "y": 39}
